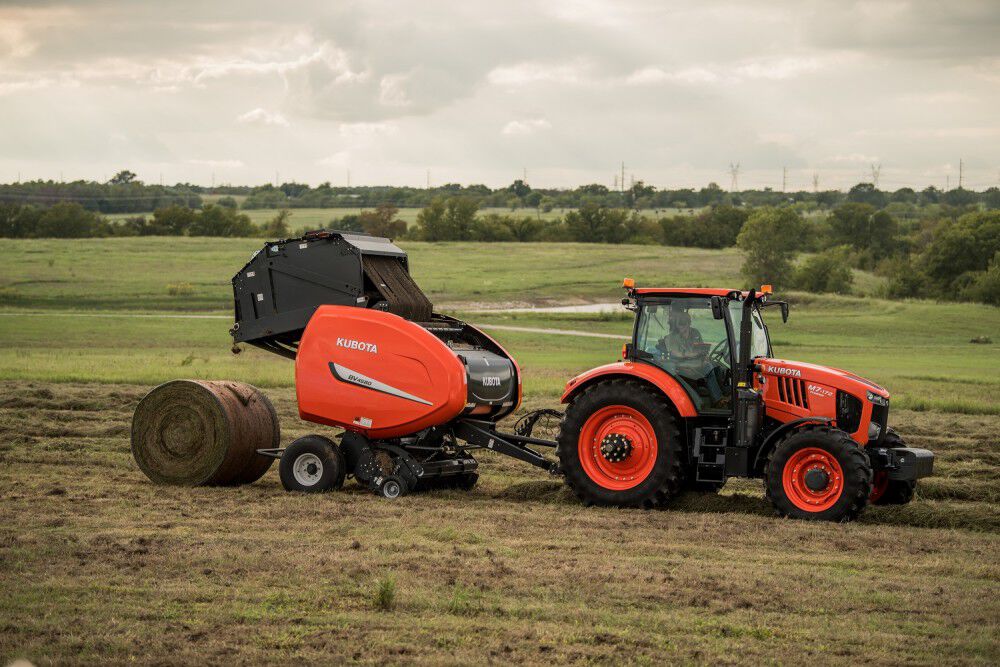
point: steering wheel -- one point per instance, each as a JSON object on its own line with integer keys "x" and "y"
{"x": 719, "y": 354}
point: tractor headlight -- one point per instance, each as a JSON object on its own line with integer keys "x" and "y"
{"x": 877, "y": 400}
{"x": 874, "y": 431}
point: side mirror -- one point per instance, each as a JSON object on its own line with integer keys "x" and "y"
{"x": 718, "y": 308}
{"x": 784, "y": 311}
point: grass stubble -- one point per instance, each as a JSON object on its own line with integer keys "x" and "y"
{"x": 97, "y": 564}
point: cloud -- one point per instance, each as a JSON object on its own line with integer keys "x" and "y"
{"x": 653, "y": 75}
{"x": 525, "y": 127}
{"x": 260, "y": 116}
{"x": 365, "y": 130}
{"x": 338, "y": 159}
{"x": 217, "y": 163}
{"x": 528, "y": 73}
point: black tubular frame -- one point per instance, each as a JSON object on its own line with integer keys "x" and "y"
{"x": 483, "y": 434}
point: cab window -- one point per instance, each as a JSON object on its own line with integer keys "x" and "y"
{"x": 681, "y": 336}
{"x": 759, "y": 343}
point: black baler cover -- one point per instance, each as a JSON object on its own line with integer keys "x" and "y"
{"x": 281, "y": 286}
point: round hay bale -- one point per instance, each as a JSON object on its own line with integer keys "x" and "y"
{"x": 195, "y": 432}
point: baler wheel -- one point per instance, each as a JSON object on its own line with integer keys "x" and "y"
{"x": 392, "y": 487}
{"x": 819, "y": 473}
{"x": 619, "y": 445}
{"x": 312, "y": 464}
{"x": 887, "y": 491}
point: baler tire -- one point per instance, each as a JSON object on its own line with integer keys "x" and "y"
{"x": 832, "y": 446}
{"x": 893, "y": 491}
{"x": 324, "y": 452}
{"x": 663, "y": 481}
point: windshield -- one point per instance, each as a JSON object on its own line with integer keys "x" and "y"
{"x": 760, "y": 346}
{"x": 681, "y": 336}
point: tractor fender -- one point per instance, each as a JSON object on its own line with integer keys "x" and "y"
{"x": 777, "y": 434}
{"x": 630, "y": 370}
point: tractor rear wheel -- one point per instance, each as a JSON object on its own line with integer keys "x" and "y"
{"x": 818, "y": 473}
{"x": 887, "y": 491}
{"x": 619, "y": 445}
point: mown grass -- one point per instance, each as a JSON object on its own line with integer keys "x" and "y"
{"x": 99, "y": 565}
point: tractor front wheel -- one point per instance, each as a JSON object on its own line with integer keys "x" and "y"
{"x": 818, "y": 473}
{"x": 619, "y": 445}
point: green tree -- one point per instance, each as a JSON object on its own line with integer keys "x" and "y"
{"x": 597, "y": 224}
{"x": 863, "y": 228}
{"x": 448, "y": 219}
{"x": 828, "y": 271}
{"x": 519, "y": 189}
{"x": 123, "y": 177}
{"x": 68, "y": 220}
{"x": 770, "y": 240}
{"x": 382, "y": 221}
{"x": 277, "y": 227}
{"x": 219, "y": 221}
{"x": 867, "y": 193}
{"x": 172, "y": 221}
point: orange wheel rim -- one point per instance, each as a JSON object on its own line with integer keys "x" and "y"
{"x": 880, "y": 482}
{"x": 813, "y": 479}
{"x": 617, "y": 447}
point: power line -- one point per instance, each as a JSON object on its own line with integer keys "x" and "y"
{"x": 876, "y": 172}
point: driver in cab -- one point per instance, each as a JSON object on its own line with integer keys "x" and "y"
{"x": 687, "y": 350}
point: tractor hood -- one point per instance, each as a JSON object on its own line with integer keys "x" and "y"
{"x": 825, "y": 375}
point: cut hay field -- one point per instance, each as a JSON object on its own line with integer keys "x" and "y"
{"x": 99, "y": 565}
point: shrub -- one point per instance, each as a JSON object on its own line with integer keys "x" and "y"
{"x": 382, "y": 222}
{"x": 180, "y": 289}
{"x": 828, "y": 271}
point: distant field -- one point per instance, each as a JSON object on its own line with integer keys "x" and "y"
{"x": 136, "y": 273}
{"x": 319, "y": 218}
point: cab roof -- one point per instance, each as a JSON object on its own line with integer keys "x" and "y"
{"x": 688, "y": 291}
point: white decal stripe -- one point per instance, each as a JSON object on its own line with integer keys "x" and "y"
{"x": 353, "y": 377}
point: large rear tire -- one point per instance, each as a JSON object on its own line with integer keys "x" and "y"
{"x": 619, "y": 445}
{"x": 887, "y": 491}
{"x": 818, "y": 473}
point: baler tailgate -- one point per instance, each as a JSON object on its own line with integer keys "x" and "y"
{"x": 390, "y": 278}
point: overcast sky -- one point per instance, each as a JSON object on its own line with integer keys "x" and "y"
{"x": 479, "y": 91}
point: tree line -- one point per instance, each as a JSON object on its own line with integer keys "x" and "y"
{"x": 125, "y": 193}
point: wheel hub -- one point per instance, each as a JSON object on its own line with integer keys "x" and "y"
{"x": 307, "y": 469}
{"x": 616, "y": 447}
{"x": 817, "y": 479}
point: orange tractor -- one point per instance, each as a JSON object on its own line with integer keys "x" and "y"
{"x": 697, "y": 398}
{"x": 700, "y": 397}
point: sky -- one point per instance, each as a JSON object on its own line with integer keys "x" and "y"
{"x": 562, "y": 91}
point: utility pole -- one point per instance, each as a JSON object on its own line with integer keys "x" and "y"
{"x": 734, "y": 171}
{"x": 876, "y": 172}
{"x": 524, "y": 176}
{"x": 348, "y": 178}
{"x": 947, "y": 182}
{"x": 213, "y": 180}
{"x": 961, "y": 169}
{"x": 276, "y": 178}
{"x": 815, "y": 181}
{"x": 784, "y": 178}
{"x": 622, "y": 181}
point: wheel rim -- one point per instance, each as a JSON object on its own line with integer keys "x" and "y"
{"x": 880, "y": 482}
{"x": 391, "y": 489}
{"x": 813, "y": 479}
{"x": 307, "y": 469}
{"x": 618, "y": 428}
